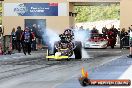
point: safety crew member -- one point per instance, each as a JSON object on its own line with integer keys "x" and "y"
{"x": 112, "y": 34}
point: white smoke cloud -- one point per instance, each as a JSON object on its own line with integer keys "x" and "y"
{"x": 51, "y": 36}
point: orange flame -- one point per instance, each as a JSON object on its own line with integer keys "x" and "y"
{"x": 84, "y": 74}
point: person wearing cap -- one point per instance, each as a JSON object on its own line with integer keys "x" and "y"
{"x": 26, "y": 38}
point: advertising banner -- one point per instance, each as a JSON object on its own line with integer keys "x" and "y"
{"x": 31, "y": 9}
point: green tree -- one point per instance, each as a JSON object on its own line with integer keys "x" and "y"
{"x": 96, "y": 13}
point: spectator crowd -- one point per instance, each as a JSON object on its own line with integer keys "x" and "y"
{"x": 26, "y": 39}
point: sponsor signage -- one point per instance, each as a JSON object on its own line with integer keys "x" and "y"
{"x": 31, "y": 9}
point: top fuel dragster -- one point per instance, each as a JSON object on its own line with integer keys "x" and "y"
{"x": 65, "y": 47}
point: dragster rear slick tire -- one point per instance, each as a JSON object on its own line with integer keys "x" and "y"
{"x": 78, "y": 50}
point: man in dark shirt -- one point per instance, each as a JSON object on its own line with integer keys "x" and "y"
{"x": 18, "y": 38}
{"x": 94, "y": 31}
{"x": 123, "y": 38}
{"x": 104, "y": 31}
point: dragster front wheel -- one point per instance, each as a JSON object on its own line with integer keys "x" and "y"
{"x": 68, "y": 59}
